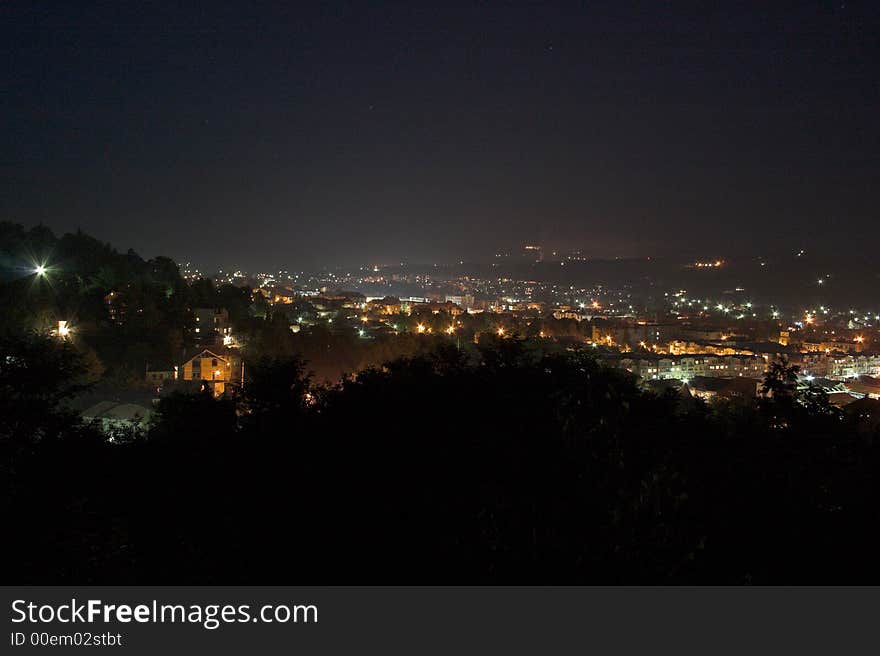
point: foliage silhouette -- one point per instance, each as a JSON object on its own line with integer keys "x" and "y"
{"x": 504, "y": 464}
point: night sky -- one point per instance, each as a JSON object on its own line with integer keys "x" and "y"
{"x": 278, "y": 134}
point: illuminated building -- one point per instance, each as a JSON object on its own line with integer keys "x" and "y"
{"x": 464, "y": 301}
{"x": 212, "y": 324}
{"x": 216, "y": 371}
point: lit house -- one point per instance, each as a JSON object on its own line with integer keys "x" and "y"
{"x": 215, "y": 371}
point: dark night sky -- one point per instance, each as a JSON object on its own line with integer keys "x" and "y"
{"x": 277, "y": 133}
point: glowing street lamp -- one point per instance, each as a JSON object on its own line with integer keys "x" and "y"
{"x": 420, "y": 328}
{"x": 40, "y": 270}
{"x": 501, "y": 331}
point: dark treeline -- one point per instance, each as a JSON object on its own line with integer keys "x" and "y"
{"x": 501, "y": 464}
{"x": 126, "y": 312}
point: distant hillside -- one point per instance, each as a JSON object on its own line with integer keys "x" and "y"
{"x": 127, "y": 310}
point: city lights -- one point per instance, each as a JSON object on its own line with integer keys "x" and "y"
{"x": 228, "y": 240}
{"x": 687, "y": 352}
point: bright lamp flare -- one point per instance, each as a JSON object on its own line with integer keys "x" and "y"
{"x": 40, "y": 270}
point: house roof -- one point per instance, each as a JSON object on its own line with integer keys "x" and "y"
{"x": 865, "y": 385}
{"x": 841, "y": 399}
{"x": 738, "y": 385}
{"x": 196, "y": 352}
{"x": 117, "y": 411}
{"x": 866, "y": 407}
{"x": 660, "y": 385}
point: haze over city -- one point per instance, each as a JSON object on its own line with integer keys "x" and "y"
{"x": 279, "y": 135}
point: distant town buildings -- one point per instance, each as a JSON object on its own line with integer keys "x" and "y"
{"x": 658, "y": 334}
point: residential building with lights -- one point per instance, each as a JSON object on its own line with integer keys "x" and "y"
{"x": 212, "y": 325}
{"x": 214, "y": 370}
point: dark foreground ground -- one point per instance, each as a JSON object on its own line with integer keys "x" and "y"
{"x": 504, "y": 466}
